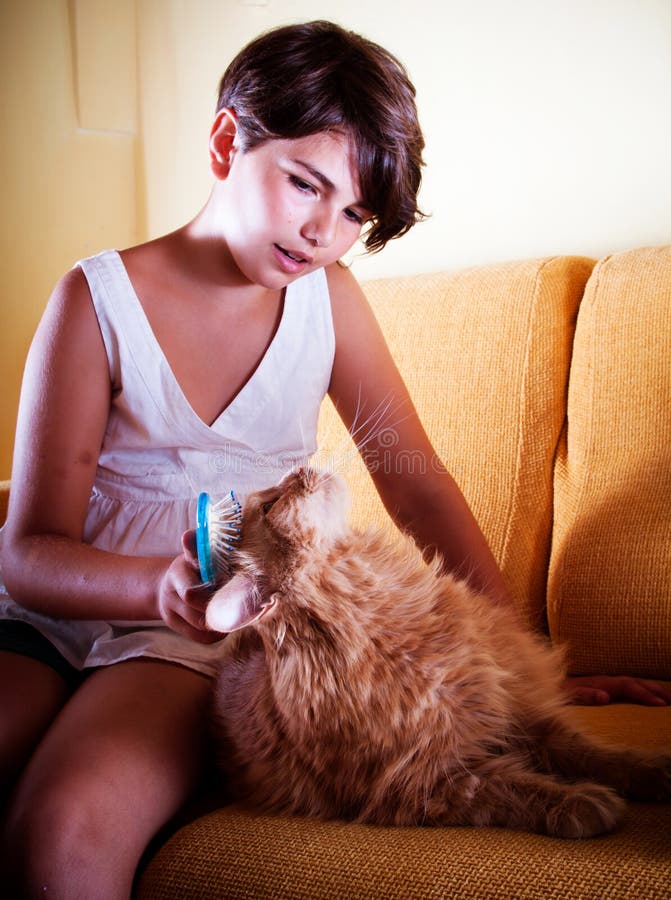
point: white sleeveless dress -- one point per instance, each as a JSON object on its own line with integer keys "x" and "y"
{"x": 157, "y": 454}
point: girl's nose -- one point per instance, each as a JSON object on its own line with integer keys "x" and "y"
{"x": 321, "y": 229}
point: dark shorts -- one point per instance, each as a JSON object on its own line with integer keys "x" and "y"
{"x": 22, "y": 638}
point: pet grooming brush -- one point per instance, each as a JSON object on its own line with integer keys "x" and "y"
{"x": 218, "y": 527}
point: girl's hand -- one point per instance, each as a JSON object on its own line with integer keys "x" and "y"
{"x": 182, "y": 598}
{"x": 597, "y": 690}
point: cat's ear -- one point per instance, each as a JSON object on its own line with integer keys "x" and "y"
{"x": 236, "y": 604}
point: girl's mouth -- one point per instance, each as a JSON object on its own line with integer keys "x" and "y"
{"x": 293, "y": 255}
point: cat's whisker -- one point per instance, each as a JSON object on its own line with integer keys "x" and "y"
{"x": 363, "y": 433}
{"x": 380, "y": 425}
{"x": 372, "y": 422}
{"x": 378, "y": 413}
{"x": 374, "y": 430}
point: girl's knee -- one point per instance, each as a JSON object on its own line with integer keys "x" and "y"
{"x": 64, "y": 841}
{"x": 38, "y": 827}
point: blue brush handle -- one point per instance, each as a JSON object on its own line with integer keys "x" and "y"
{"x": 203, "y": 539}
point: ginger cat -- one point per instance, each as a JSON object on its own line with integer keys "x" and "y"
{"x": 365, "y": 684}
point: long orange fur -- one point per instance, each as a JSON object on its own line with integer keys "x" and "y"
{"x": 370, "y": 686}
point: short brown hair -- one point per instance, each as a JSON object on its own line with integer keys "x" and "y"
{"x": 298, "y": 80}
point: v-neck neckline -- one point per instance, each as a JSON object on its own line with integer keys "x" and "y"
{"x": 177, "y": 389}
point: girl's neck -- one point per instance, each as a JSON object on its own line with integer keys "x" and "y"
{"x": 202, "y": 251}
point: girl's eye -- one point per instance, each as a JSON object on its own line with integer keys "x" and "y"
{"x": 302, "y": 185}
{"x": 354, "y": 216}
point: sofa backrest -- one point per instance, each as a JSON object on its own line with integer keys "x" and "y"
{"x": 609, "y": 591}
{"x": 485, "y": 353}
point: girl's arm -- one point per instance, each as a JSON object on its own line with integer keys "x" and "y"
{"x": 65, "y": 402}
{"x": 424, "y": 500}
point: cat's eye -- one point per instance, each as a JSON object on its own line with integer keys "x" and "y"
{"x": 267, "y": 506}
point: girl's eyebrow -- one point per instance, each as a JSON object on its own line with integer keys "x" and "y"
{"x": 324, "y": 180}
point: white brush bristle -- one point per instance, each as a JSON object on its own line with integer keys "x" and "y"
{"x": 225, "y": 527}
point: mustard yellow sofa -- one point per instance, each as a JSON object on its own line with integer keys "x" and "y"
{"x": 545, "y": 385}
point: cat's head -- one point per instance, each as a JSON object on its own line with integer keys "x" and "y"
{"x": 286, "y": 527}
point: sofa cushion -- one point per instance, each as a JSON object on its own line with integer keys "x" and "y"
{"x": 609, "y": 593}
{"x": 485, "y": 353}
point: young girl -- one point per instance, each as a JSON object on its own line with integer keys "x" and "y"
{"x": 197, "y": 361}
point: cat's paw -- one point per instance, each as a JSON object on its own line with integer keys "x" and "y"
{"x": 584, "y": 811}
{"x": 649, "y": 780}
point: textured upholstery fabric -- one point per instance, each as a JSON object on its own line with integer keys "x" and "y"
{"x": 485, "y": 353}
{"x": 609, "y": 591}
{"x": 233, "y": 854}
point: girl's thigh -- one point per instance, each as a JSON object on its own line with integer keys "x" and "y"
{"x": 119, "y": 760}
{"x": 31, "y": 695}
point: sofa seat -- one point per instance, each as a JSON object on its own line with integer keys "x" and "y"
{"x": 234, "y": 853}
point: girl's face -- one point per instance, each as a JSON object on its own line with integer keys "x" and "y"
{"x": 291, "y": 206}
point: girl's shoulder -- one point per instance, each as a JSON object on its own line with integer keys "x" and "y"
{"x": 348, "y": 300}
{"x": 69, "y": 308}
{"x": 353, "y": 317}
{"x": 341, "y": 281}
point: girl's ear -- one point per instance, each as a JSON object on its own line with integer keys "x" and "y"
{"x": 222, "y": 143}
{"x": 237, "y": 603}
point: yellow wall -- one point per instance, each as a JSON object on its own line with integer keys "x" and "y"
{"x": 67, "y": 158}
{"x": 547, "y": 130}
